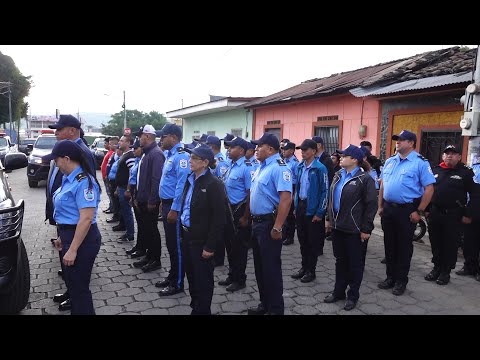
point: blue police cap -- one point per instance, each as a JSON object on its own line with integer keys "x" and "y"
{"x": 228, "y": 137}
{"x": 290, "y": 146}
{"x": 202, "y": 138}
{"x": 213, "y": 140}
{"x": 238, "y": 141}
{"x": 203, "y": 151}
{"x": 136, "y": 144}
{"x": 251, "y": 146}
{"x": 66, "y": 121}
{"x": 405, "y": 135}
{"x": 353, "y": 151}
{"x": 190, "y": 146}
{"x": 318, "y": 139}
{"x": 172, "y": 129}
{"x": 307, "y": 144}
{"x": 269, "y": 139}
{"x": 64, "y": 148}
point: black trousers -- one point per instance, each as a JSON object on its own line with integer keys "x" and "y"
{"x": 268, "y": 267}
{"x": 471, "y": 246}
{"x": 444, "y": 231}
{"x": 237, "y": 246}
{"x": 398, "y": 239}
{"x": 77, "y": 276}
{"x": 199, "y": 273}
{"x": 152, "y": 239}
{"x": 289, "y": 226}
{"x": 349, "y": 251}
{"x": 309, "y": 236}
{"x": 177, "y": 271}
{"x": 140, "y": 245}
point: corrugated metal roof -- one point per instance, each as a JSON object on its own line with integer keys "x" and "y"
{"x": 430, "y": 64}
{"x": 416, "y": 84}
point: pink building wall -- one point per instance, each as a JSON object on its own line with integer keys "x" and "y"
{"x": 296, "y": 119}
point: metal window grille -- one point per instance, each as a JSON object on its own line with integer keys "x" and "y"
{"x": 330, "y": 135}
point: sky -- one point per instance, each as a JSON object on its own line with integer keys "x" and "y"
{"x": 93, "y": 78}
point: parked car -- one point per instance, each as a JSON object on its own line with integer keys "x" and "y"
{"x": 26, "y": 145}
{"x": 36, "y": 170}
{"x": 14, "y": 266}
{"x": 6, "y": 146}
{"x": 98, "y": 150}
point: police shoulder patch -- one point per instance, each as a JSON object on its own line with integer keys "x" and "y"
{"x": 421, "y": 157}
{"x": 287, "y": 176}
{"x": 81, "y": 176}
{"x": 281, "y": 162}
{"x": 183, "y": 163}
{"x": 88, "y": 194}
{"x": 248, "y": 163}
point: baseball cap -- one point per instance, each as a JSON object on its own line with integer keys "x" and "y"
{"x": 190, "y": 146}
{"x": 269, "y": 139}
{"x": 353, "y": 151}
{"x": 365, "y": 150}
{"x": 171, "y": 129}
{"x": 228, "y": 137}
{"x": 288, "y": 146}
{"x": 213, "y": 140}
{"x": 451, "y": 148}
{"x": 318, "y": 139}
{"x": 147, "y": 129}
{"x": 251, "y": 146}
{"x": 203, "y": 151}
{"x": 202, "y": 138}
{"x": 136, "y": 144}
{"x": 66, "y": 121}
{"x": 64, "y": 148}
{"x": 308, "y": 144}
{"x": 405, "y": 135}
{"x": 238, "y": 141}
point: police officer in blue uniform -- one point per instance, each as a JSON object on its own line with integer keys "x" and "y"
{"x": 270, "y": 200}
{"x": 76, "y": 204}
{"x": 221, "y": 165}
{"x": 288, "y": 155}
{"x": 250, "y": 156}
{"x": 405, "y": 191}
{"x": 227, "y": 137}
{"x": 174, "y": 175}
{"x": 238, "y": 230}
{"x": 202, "y": 218}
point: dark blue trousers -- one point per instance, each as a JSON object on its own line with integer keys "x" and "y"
{"x": 199, "y": 274}
{"x": 152, "y": 239}
{"x": 140, "y": 244}
{"x": 237, "y": 246}
{"x": 398, "y": 239}
{"x": 349, "y": 252}
{"x": 126, "y": 212}
{"x": 471, "y": 246}
{"x": 77, "y": 277}
{"x": 289, "y": 226}
{"x": 268, "y": 267}
{"x": 176, "y": 273}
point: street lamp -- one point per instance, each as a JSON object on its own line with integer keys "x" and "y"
{"x": 124, "y": 110}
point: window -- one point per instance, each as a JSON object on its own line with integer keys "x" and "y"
{"x": 237, "y": 132}
{"x": 274, "y": 131}
{"x": 330, "y": 136}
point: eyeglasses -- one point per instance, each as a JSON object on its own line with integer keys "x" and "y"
{"x": 195, "y": 157}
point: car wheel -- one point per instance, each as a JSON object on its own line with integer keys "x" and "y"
{"x": 17, "y": 298}
{"x": 32, "y": 184}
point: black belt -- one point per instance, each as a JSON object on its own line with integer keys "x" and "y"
{"x": 262, "y": 218}
{"x": 395, "y": 205}
{"x": 66, "y": 226}
{"x": 167, "y": 201}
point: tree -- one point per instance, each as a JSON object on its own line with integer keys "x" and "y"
{"x": 20, "y": 87}
{"x": 135, "y": 119}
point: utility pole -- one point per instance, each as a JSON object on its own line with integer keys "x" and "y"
{"x": 124, "y": 112}
{"x": 10, "y": 109}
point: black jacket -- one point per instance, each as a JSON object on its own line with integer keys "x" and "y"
{"x": 326, "y": 160}
{"x": 358, "y": 204}
{"x": 150, "y": 168}
{"x": 57, "y": 182}
{"x": 207, "y": 210}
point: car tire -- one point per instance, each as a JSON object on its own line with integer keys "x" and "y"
{"x": 16, "y": 300}
{"x": 32, "y": 184}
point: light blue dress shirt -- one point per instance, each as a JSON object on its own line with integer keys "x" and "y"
{"x": 344, "y": 178}
{"x": 185, "y": 217}
{"x": 174, "y": 175}
{"x": 238, "y": 181}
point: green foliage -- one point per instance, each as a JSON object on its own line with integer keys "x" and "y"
{"x": 135, "y": 119}
{"x": 20, "y": 89}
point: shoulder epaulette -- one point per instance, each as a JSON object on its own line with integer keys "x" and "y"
{"x": 220, "y": 158}
{"x": 81, "y": 176}
{"x": 281, "y": 162}
{"x": 180, "y": 150}
{"x": 421, "y": 157}
{"x": 248, "y": 163}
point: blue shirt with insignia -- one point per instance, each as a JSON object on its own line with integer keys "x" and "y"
{"x": 272, "y": 176}
{"x": 305, "y": 183}
{"x": 255, "y": 165}
{"x": 174, "y": 175}
{"x": 238, "y": 180}
{"x": 292, "y": 163}
{"x": 73, "y": 195}
{"x": 374, "y": 176}
{"x": 222, "y": 166}
{"x": 476, "y": 171}
{"x": 114, "y": 168}
{"x": 404, "y": 180}
{"x": 344, "y": 178}
{"x": 185, "y": 217}
{"x": 132, "y": 179}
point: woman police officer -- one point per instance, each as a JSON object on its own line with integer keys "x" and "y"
{"x": 76, "y": 204}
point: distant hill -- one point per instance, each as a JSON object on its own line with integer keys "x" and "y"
{"x": 95, "y": 119}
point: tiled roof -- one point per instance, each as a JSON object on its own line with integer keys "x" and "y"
{"x": 433, "y": 63}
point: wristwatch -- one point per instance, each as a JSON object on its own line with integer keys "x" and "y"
{"x": 420, "y": 212}
{"x": 277, "y": 230}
